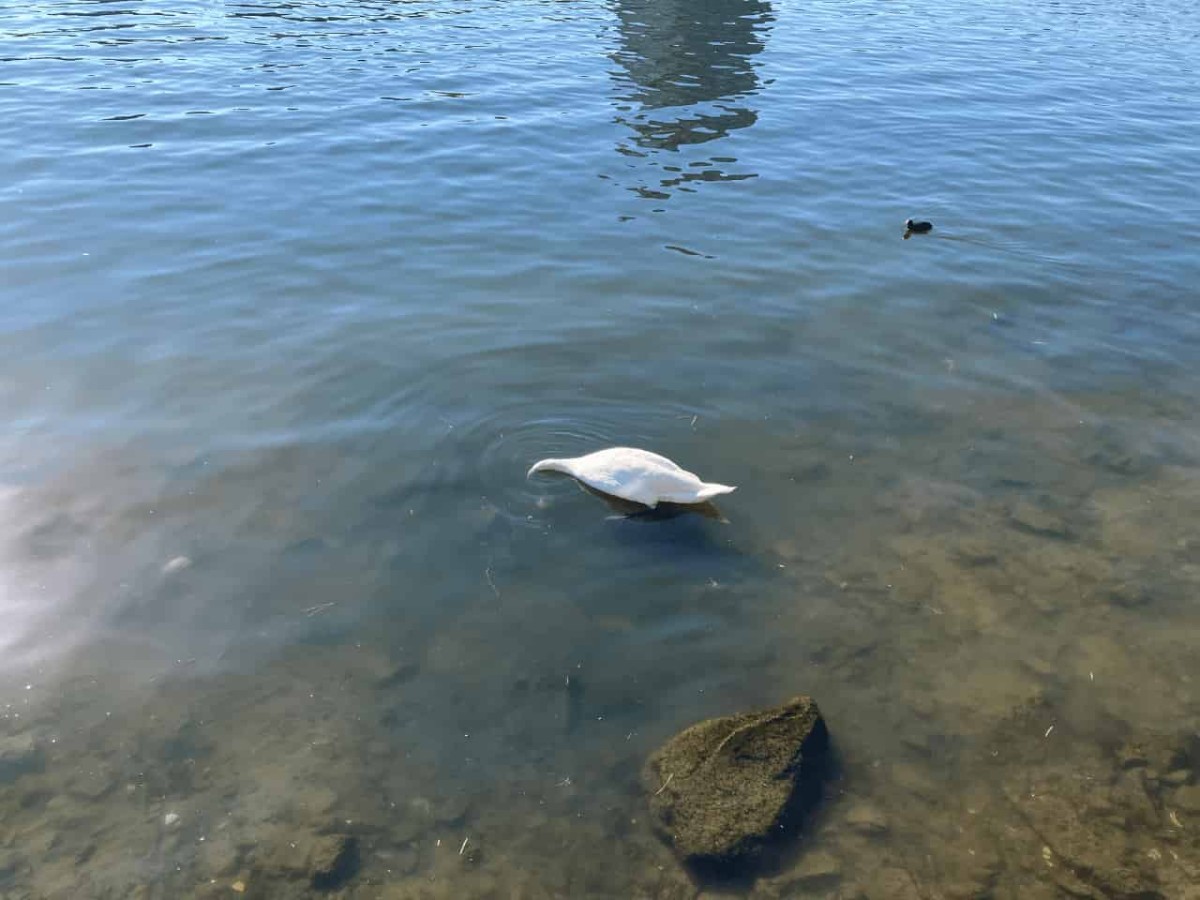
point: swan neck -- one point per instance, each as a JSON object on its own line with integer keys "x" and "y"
{"x": 550, "y": 465}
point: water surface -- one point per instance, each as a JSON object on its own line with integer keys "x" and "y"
{"x": 294, "y": 293}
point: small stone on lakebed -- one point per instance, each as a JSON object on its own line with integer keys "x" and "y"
{"x": 866, "y": 819}
{"x": 724, "y": 790}
{"x": 327, "y": 861}
{"x": 333, "y": 861}
{"x": 1187, "y": 798}
{"x": 19, "y": 755}
{"x": 178, "y": 564}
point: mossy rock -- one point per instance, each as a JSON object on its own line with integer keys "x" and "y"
{"x": 726, "y": 790}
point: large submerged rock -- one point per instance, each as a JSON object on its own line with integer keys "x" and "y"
{"x": 724, "y": 790}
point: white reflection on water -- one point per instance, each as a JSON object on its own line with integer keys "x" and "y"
{"x": 26, "y": 591}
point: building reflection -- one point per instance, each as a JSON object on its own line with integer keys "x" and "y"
{"x": 687, "y": 71}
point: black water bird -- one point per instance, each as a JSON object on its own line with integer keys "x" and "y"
{"x": 911, "y": 227}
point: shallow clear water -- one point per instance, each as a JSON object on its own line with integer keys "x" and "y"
{"x": 294, "y": 293}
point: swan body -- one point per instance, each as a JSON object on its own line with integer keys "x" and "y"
{"x": 637, "y": 475}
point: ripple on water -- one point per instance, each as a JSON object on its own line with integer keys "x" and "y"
{"x": 511, "y": 438}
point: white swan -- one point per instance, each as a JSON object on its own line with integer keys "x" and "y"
{"x": 637, "y": 475}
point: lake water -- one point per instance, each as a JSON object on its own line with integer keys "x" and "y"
{"x": 293, "y": 293}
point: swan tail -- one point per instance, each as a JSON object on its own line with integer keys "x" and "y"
{"x": 708, "y": 491}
